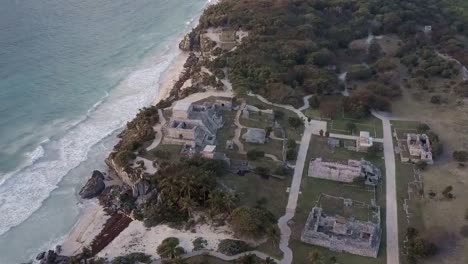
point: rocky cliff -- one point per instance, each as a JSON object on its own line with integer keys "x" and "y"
{"x": 132, "y": 178}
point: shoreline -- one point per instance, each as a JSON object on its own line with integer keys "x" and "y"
{"x": 92, "y": 217}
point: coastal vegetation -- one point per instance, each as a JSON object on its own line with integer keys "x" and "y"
{"x": 293, "y": 49}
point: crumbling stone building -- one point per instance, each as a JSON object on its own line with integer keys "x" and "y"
{"x": 413, "y": 147}
{"x": 349, "y": 172}
{"x": 344, "y": 234}
{"x": 193, "y": 125}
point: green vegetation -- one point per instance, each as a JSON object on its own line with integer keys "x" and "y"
{"x": 232, "y": 247}
{"x": 255, "y": 154}
{"x": 418, "y": 248}
{"x": 184, "y": 187}
{"x": 252, "y": 222}
{"x": 312, "y": 188}
{"x": 169, "y": 248}
{"x": 132, "y": 258}
{"x": 138, "y": 131}
{"x": 199, "y": 243}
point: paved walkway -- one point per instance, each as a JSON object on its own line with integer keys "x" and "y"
{"x": 293, "y": 196}
{"x": 393, "y": 251}
{"x": 238, "y": 131}
{"x": 221, "y": 256}
{"x": 306, "y": 103}
{"x": 158, "y": 129}
{"x": 380, "y": 140}
{"x": 316, "y": 125}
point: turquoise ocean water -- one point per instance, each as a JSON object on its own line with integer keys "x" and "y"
{"x": 72, "y": 73}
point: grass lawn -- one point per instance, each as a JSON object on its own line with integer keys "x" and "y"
{"x": 290, "y": 132}
{"x": 173, "y": 153}
{"x": 274, "y": 147}
{"x": 254, "y": 190}
{"x": 370, "y": 124}
{"x": 313, "y": 113}
{"x": 257, "y": 121}
{"x": 404, "y": 175}
{"x": 311, "y": 188}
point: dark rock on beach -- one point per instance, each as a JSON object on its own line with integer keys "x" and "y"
{"x": 52, "y": 258}
{"x": 94, "y": 186}
{"x": 40, "y": 256}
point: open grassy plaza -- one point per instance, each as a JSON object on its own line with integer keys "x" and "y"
{"x": 312, "y": 188}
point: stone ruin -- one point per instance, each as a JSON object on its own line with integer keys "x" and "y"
{"x": 413, "y": 147}
{"x": 349, "y": 172}
{"x": 253, "y": 112}
{"x": 193, "y": 125}
{"x": 344, "y": 234}
{"x": 419, "y": 147}
{"x": 255, "y": 135}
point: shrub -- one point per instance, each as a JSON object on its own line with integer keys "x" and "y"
{"x": 447, "y": 192}
{"x": 359, "y": 72}
{"x": 199, "y": 243}
{"x": 421, "y": 165}
{"x": 351, "y": 127}
{"x": 423, "y": 128}
{"x": 464, "y": 231}
{"x": 314, "y": 102}
{"x": 123, "y": 157}
{"x": 169, "y": 248}
{"x": 132, "y": 258}
{"x": 417, "y": 247}
{"x": 436, "y": 99}
{"x": 232, "y": 247}
{"x": 278, "y": 114}
{"x": 460, "y": 155}
{"x": 251, "y": 222}
{"x": 263, "y": 171}
{"x": 294, "y": 122}
{"x": 255, "y": 154}
{"x": 162, "y": 154}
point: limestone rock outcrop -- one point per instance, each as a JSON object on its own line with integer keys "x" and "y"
{"x": 94, "y": 186}
{"x": 51, "y": 257}
{"x": 190, "y": 42}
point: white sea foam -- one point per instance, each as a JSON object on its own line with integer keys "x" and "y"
{"x": 23, "y": 192}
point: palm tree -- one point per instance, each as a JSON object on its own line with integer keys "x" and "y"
{"x": 315, "y": 258}
{"x": 215, "y": 200}
{"x": 230, "y": 200}
{"x": 168, "y": 248}
{"x": 187, "y": 204}
{"x": 188, "y": 186}
{"x": 273, "y": 235}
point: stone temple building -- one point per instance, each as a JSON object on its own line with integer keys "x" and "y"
{"x": 255, "y": 135}
{"x": 193, "y": 125}
{"x": 413, "y": 147}
{"x": 419, "y": 148}
{"x": 364, "y": 141}
{"x": 344, "y": 234}
{"x": 349, "y": 172}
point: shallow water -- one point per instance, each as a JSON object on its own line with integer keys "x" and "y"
{"x": 71, "y": 74}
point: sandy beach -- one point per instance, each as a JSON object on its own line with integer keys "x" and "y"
{"x": 93, "y": 217}
{"x": 171, "y": 76}
{"x": 138, "y": 238}
{"x": 89, "y": 225}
